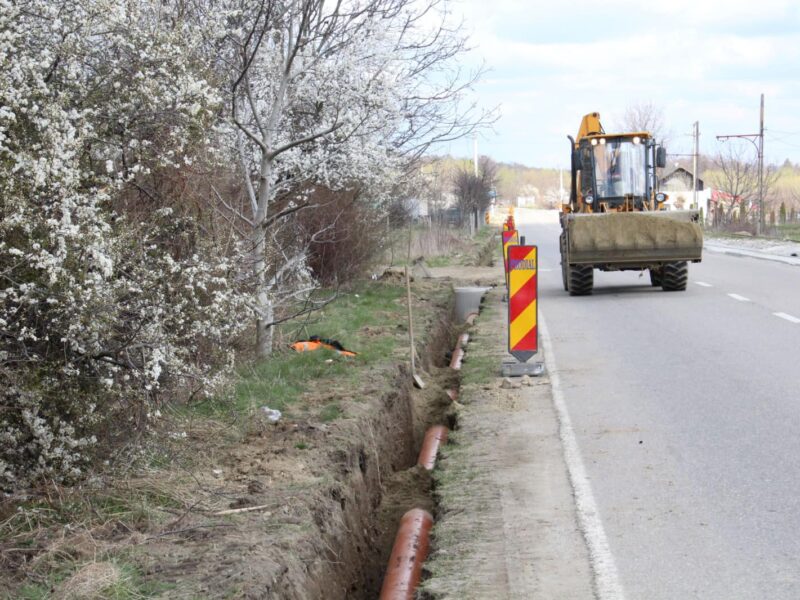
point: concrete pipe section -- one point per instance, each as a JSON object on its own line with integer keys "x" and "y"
{"x": 468, "y": 301}
{"x": 408, "y": 554}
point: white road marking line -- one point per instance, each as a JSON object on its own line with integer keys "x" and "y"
{"x": 606, "y": 578}
{"x": 739, "y": 298}
{"x": 789, "y": 318}
{"x": 703, "y": 284}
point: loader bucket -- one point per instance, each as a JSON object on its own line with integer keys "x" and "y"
{"x": 634, "y": 238}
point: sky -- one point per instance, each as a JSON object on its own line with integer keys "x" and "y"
{"x": 550, "y": 62}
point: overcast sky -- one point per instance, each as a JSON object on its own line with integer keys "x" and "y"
{"x": 550, "y": 62}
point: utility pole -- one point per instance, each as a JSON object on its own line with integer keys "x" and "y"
{"x": 473, "y": 225}
{"x": 696, "y": 134}
{"x": 762, "y": 218}
{"x": 752, "y": 137}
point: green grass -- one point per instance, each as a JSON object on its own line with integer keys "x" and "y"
{"x": 480, "y": 369}
{"x": 331, "y": 412}
{"x": 279, "y": 381}
{"x": 790, "y": 231}
{"x": 130, "y": 585}
{"x": 139, "y": 505}
{"x": 485, "y": 233}
{"x": 442, "y": 260}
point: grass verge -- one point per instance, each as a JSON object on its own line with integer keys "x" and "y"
{"x": 215, "y": 455}
{"x": 357, "y": 319}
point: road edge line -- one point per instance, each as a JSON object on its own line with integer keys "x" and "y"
{"x": 606, "y": 578}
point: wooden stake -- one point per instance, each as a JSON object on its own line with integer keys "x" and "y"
{"x": 234, "y": 511}
{"x": 417, "y": 379}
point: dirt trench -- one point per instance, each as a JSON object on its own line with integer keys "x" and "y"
{"x": 377, "y": 481}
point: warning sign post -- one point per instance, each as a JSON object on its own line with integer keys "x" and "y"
{"x": 523, "y": 310}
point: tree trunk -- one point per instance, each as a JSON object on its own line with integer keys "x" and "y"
{"x": 264, "y": 304}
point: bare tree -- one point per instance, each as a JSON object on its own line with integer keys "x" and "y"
{"x": 737, "y": 178}
{"x": 473, "y": 191}
{"x": 646, "y": 116}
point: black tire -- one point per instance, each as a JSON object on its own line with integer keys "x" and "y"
{"x": 581, "y": 280}
{"x": 564, "y": 266}
{"x": 675, "y": 277}
{"x": 656, "y": 275}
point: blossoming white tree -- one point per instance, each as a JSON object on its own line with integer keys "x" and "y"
{"x": 109, "y": 296}
{"x": 333, "y": 94}
{"x": 96, "y": 315}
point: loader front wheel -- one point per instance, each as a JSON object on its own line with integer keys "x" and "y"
{"x": 656, "y": 275}
{"x": 675, "y": 276}
{"x": 581, "y": 279}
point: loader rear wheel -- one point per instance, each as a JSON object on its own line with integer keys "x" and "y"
{"x": 581, "y": 280}
{"x": 656, "y": 275}
{"x": 564, "y": 265}
{"x": 675, "y": 276}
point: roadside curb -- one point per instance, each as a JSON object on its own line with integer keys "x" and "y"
{"x": 733, "y": 251}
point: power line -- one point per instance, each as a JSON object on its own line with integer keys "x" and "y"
{"x": 751, "y": 137}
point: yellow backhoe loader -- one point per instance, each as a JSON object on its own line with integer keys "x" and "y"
{"x": 616, "y": 219}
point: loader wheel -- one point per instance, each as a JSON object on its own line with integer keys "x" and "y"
{"x": 675, "y": 276}
{"x": 564, "y": 265}
{"x": 581, "y": 280}
{"x": 656, "y": 275}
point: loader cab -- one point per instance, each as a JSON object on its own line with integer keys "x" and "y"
{"x": 617, "y": 172}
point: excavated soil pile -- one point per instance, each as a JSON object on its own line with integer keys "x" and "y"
{"x": 633, "y": 231}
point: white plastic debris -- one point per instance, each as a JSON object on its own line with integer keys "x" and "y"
{"x": 273, "y": 414}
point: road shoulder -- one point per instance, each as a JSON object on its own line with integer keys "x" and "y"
{"x": 507, "y": 525}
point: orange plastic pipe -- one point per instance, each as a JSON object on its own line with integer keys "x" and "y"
{"x": 434, "y": 437}
{"x": 408, "y": 553}
{"x": 452, "y": 394}
{"x": 458, "y": 353}
{"x": 458, "y": 356}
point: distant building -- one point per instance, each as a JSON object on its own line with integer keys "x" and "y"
{"x": 678, "y": 187}
{"x": 679, "y": 180}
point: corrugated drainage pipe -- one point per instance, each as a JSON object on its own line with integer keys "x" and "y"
{"x": 434, "y": 438}
{"x": 408, "y": 553}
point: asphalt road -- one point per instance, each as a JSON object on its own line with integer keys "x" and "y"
{"x": 686, "y": 411}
